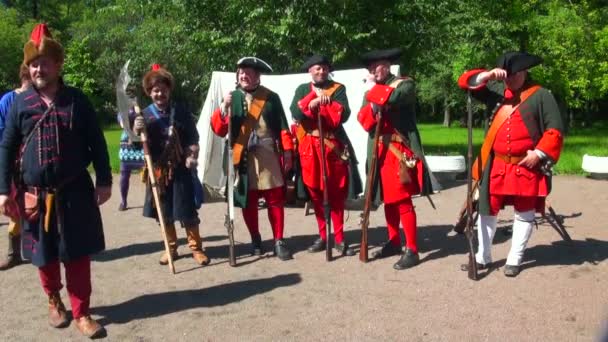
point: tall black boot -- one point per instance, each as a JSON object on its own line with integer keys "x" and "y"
{"x": 13, "y": 257}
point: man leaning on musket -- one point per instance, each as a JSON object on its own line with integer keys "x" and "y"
{"x": 401, "y": 169}
{"x": 328, "y": 99}
{"x": 263, "y": 150}
{"x": 53, "y": 132}
{"x": 524, "y": 140}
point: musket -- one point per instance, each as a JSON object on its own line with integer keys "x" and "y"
{"x": 326, "y": 209}
{"x": 229, "y": 217}
{"x": 124, "y": 103}
{"x": 472, "y": 268}
{"x": 461, "y": 220}
{"x": 369, "y": 186}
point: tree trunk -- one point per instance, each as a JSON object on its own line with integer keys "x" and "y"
{"x": 446, "y": 117}
{"x": 35, "y": 9}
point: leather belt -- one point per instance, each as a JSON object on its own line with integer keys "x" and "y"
{"x": 316, "y": 133}
{"x": 386, "y": 138}
{"x": 509, "y": 159}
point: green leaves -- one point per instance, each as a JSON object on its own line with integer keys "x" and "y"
{"x": 440, "y": 38}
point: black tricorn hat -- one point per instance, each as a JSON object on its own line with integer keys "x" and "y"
{"x": 515, "y": 61}
{"x": 255, "y": 63}
{"x": 317, "y": 59}
{"x": 390, "y": 55}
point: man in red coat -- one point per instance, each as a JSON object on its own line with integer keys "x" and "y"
{"x": 328, "y": 99}
{"x": 401, "y": 169}
{"x": 524, "y": 140}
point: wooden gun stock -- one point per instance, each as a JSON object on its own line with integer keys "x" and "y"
{"x": 369, "y": 186}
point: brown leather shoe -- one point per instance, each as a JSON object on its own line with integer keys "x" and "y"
{"x": 164, "y": 258}
{"x": 195, "y": 242}
{"x": 200, "y": 257}
{"x": 172, "y": 239}
{"x": 58, "y": 317}
{"x": 89, "y": 327}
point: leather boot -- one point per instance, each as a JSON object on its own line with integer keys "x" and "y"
{"x": 89, "y": 327}
{"x": 13, "y": 257}
{"x": 195, "y": 243}
{"x": 281, "y": 250}
{"x": 256, "y": 245}
{"x": 407, "y": 260}
{"x": 388, "y": 249}
{"x": 317, "y": 246}
{"x": 172, "y": 239}
{"x": 512, "y": 270}
{"x": 58, "y": 317}
{"x": 344, "y": 249}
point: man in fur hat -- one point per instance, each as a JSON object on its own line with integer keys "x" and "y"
{"x": 402, "y": 170}
{"x": 173, "y": 142}
{"x": 326, "y": 98}
{"x": 263, "y": 150}
{"x": 524, "y": 140}
{"x": 53, "y": 132}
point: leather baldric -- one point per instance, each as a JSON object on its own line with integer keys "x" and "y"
{"x": 253, "y": 115}
{"x": 499, "y": 119}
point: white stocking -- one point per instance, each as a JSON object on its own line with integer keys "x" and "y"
{"x": 523, "y": 223}
{"x": 486, "y": 228}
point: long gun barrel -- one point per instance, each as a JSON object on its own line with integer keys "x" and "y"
{"x": 229, "y": 221}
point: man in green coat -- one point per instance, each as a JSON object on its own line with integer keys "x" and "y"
{"x": 263, "y": 150}
{"x": 401, "y": 166}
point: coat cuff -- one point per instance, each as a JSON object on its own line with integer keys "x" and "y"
{"x": 219, "y": 125}
{"x": 305, "y": 101}
{"x": 332, "y": 114}
{"x": 366, "y": 117}
{"x": 468, "y": 80}
{"x": 551, "y": 144}
{"x": 379, "y": 94}
{"x": 286, "y": 140}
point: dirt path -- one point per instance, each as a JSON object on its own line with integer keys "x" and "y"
{"x": 560, "y": 295}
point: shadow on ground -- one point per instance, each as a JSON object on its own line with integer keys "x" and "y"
{"x": 159, "y": 304}
{"x": 577, "y": 252}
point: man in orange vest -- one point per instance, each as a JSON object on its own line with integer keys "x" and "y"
{"x": 524, "y": 140}
{"x": 263, "y": 150}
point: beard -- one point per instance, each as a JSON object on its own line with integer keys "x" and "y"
{"x": 43, "y": 82}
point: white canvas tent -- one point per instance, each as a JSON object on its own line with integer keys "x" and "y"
{"x": 210, "y": 169}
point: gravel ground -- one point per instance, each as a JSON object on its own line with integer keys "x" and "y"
{"x": 559, "y": 296}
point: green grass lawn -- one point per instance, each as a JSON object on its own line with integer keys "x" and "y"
{"x": 113, "y": 140}
{"x": 439, "y": 140}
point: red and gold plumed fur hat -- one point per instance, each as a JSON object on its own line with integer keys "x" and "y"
{"x": 157, "y": 74}
{"x": 41, "y": 43}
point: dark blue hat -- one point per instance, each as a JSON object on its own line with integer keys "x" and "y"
{"x": 390, "y": 55}
{"x": 515, "y": 61}
{"x": 255, "y": 63}
{"x": 317, "y": 59}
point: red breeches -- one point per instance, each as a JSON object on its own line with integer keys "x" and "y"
{"x": 401, "y": 211}
{"x": 78, "y": 280}
{"x": 336, "y": 204}
{"x": 275, "y": 201}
